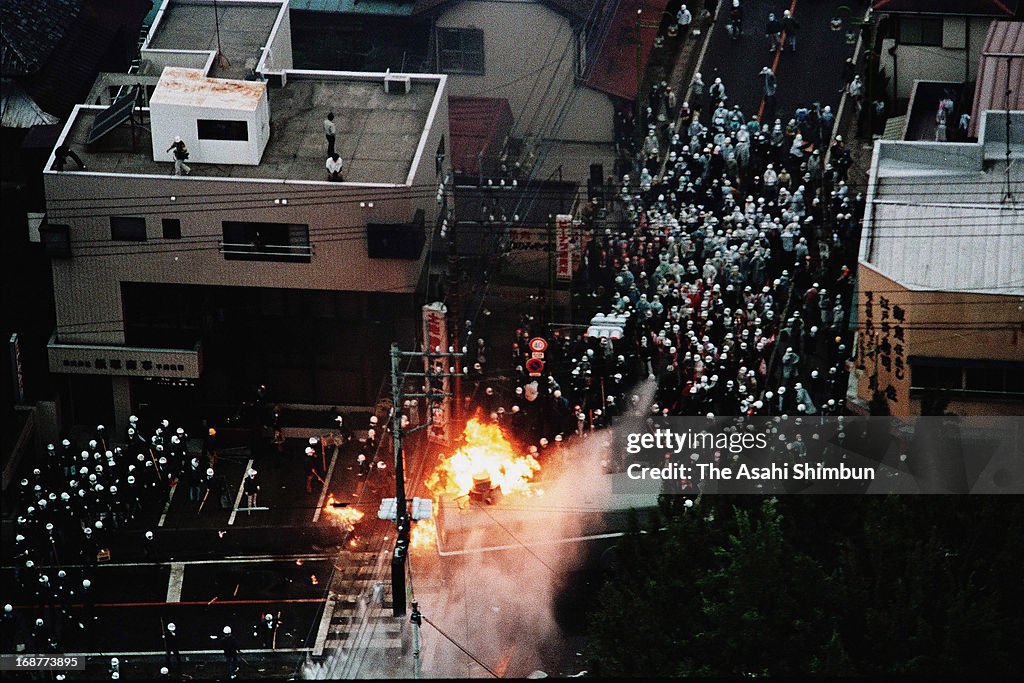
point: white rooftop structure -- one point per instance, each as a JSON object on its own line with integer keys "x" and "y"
{"x": 949, "y": 216}
{"x": 220, "y": 120}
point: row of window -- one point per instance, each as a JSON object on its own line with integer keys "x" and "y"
{"x": 242, "y": 240}
{"x": 133, "y": 228}
{"x": 1004, "y": 379}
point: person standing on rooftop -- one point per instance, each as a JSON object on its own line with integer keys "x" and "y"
{"x": 330, "y": 131}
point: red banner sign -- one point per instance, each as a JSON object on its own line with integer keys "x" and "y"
{"x": 435, "y": 339}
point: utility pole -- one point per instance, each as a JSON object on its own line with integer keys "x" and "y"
{"x": 398, "y": 432}
{"x": 454, "y": 303}
{"x": 416, "y": 620}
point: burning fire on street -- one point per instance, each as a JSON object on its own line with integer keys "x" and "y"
{"x": 423, "y": 535}
{"x": 343, "y": 517}
{"x": 487, "y": 461}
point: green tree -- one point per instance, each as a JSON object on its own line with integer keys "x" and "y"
{"x": 719, "y": 592}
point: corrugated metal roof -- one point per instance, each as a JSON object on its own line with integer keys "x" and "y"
{"x": 946, "y": 246}
{"x": 1004, "y": 38}
{"x": 19, "y": 110}
{"x": 618, "y": 66}
{"x": 478, "y": 128}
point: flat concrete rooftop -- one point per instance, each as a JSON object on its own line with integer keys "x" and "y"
{"x": 377, "y": 135}
{"x": 244, "y": 29}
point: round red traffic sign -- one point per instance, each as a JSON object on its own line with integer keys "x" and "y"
{"x": 538, "y": 344}
{"x": 535, "y": 365}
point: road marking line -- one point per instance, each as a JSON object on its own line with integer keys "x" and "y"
{"x": 325, "y": 627}
{"x": 231, "y": 559}
{"x": 167, "y": 506}
{"x": 775, "y": 61}
{"x": 241, "y": 492}
{"x": 174, "y": 582}
{"x": 154, "y": 653}
{"x": 327, "y": 481}
{"x": 519, "y": 546}
{"x": 193, "y": 603}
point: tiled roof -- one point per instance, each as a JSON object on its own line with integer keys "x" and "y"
{"x": 100, "y": 37}
{"x": 30, "y": 30}
{"x": 1004, "y": 38}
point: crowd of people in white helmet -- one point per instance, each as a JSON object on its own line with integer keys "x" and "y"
{"x": 70, "y": 503}
{"x": 723, "y": 266}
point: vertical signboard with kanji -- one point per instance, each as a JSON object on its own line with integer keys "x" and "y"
{"x": 883, "y": 341}
{"x": 563, "y": 247}
{"x": 435, "y": 339}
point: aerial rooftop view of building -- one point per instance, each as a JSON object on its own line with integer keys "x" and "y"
{"x": 511, "y": 339}
{"x": 252, "y": 208}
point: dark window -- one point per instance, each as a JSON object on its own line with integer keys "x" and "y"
{"x": 934, "y": 377}
{"x": 1015, "y": 380}
{"x": 920, "y": 31}
{"x": 212, "y": 129}
{"x": 56, "y": 240}
{"x": 460, "y": 50}
{"x": 249, "y": 241}
{"x": 172, "y": 228}
{"x": 984, "y": 379}
{"x": 130, "y": 228}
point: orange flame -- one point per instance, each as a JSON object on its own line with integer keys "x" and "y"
{"x": 344, "y": 517}
{"x": 486, "y": 452}
{"x": 423, "y": 535}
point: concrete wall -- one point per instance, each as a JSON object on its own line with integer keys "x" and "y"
{"x": 517, "y": 38}
{"x": 189, "y": 59}
{"x": 955, "y": 61}
{"x": 277, "y": 56}
{"x": 962, "y": 309}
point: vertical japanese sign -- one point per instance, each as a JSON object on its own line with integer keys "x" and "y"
{"x": 435, "y": 338}
{"x": 563, "y": 247}
{"x": 886, "y": 343}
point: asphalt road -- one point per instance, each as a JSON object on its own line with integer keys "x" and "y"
{"x": 218, "y": 567}
{"x": 811, "y": 74}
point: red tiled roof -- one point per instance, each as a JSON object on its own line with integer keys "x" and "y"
{"x": 616, "y": 69}
{"x": 477, "y": 124}
{"x": 1004, "y": 38}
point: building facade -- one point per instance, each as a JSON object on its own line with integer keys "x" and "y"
{"x": 935, "y": 40}
{"x": 254, "y": 268}
{"x": 940, "y": 293}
